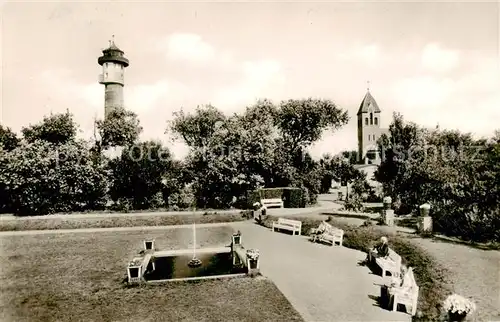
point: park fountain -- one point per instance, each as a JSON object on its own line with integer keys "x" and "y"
{"x": 153, "y": 265}
{"x": 194, "y": 262}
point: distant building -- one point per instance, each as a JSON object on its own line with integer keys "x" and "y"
{"x": 369, "y": 130}
{"x": 368, "y": 156}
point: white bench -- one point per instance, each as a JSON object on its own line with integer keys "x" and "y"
{"x": 330, "y": 234}
{"x": 391, "y": 263}
{"x": 272, "y": 202}
{"x": 406, "y": 294}
{"x": 288, "y": 224}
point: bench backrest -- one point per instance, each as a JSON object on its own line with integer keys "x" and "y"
{"x": 290, "y": 222}
{"x": 409, "y": 285}
{"x": 329, "y": 229}
{"x": 393, "y": 256}
{"x": 277, "y": 200}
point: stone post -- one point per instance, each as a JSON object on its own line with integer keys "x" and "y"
{"x": 149, "y": 244}
{"x": 387, "y": 212}
{"x": 134, "y": 271}
{"x": 236, "y": 239}
{"x": 253, "y": 262}
{"x": 425, "y": 220}
{"x": 387, "y": 201}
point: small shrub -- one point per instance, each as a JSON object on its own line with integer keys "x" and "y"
{"x": 354, "y": 203}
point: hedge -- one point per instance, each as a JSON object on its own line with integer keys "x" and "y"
{"x": 429, "y": 275}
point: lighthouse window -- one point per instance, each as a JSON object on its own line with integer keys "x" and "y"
{"x": 376, "y": 121}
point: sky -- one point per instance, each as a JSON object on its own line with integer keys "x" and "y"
{"x": 434, "y": 62}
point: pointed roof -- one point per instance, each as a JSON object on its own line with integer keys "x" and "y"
{"x": 368, "y": 100}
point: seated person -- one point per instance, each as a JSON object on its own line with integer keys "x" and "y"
{"x": 380, "y": 250}
{"x": 259, "y": 212}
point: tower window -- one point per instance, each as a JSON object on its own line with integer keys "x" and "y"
{"x": 371, "y": 118}
{"x": 374, "y": 137}
{"x": 376, "y": 121}
{"x": 366, "y": 121}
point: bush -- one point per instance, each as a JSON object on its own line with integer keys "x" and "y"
{"x": 42, "y": 178}
{"x": 271, "y": 193}
{"x": 429, "y": 275}
{"x": 253, "y": 196}
{"x": 294, "y": 198}
{"x": 353, "y": 203}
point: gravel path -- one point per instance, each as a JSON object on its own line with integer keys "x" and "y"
{"x": 475, "y": 274}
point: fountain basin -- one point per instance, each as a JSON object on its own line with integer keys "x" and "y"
{"x": 173, "y": 265}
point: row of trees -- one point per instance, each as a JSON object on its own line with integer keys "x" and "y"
{"x": 49, "y": 169}
{"x": 455, "y": 173}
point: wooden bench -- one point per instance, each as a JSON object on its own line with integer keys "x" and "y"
{"x": 406, "y": 293}
{"x": 391, "y": 263}
{"x": 329, "y": 234}
{"x": 272, "y": 203}
{"x": 295, "y": 226}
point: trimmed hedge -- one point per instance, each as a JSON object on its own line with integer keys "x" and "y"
{"x": 293, "y": 197}
{"x": 429, "y": 275}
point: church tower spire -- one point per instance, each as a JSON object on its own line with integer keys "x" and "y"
{"x": 369, "y": 130}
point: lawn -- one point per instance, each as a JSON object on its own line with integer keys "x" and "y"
{"x": 80, "y": 277}
{"x": 116, "y": 221}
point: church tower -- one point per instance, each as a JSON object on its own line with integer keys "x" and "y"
{"x": 369, "y": 130}
{"x": 113, "y": 64}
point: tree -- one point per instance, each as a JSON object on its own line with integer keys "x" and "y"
{"x": 8, "y": 139}
{"x": 121, "y": 128}
{"x": 196, "y": 129}
{"x": 398, "y": 147}
{"x": 137, "y": 175}
{"x": 351, "y": 156}
{"x": 302, "y": 122}
{"x": 230, "y": 155}
{"x": 56, "y": 128}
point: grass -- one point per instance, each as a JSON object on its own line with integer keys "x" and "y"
{"x": 103, "y": 222}
{"x": 429, "y": 274}
{"x": 60, "y": 277}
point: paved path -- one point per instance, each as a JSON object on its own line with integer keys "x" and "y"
{"x": 323, "y": 283}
